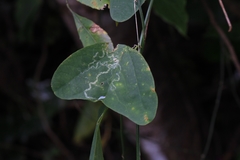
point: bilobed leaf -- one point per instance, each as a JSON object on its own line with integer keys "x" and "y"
{"x": 96, "y": 4}
{"x": 121, "y": 79}
{"x": 89, "y": 32}
{"x": 173, "y": 12}
{"x": 122, "y": 10}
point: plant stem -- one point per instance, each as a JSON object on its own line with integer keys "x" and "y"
{"x": 141, "y": 13}
{"x": 141, "y": 44}
{"x": 96, "y": 149}
{"x": 121, "y": 136}
{"x": 102, "y": 113}
{"x": 138, "y": 151}
{"x": 216, "y": 107}
{"x": 145, "y": 25}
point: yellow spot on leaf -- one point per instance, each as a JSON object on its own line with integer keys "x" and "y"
{"x": 146, "y": 69}
{"x": 94, "y": 3}
{"x": 118, "y": 84}
{"x": 146, "y": 118}
{"x": 153, "y": 89}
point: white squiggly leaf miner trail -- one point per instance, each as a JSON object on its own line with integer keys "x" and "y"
{"x": 111, "y": 65}
{"x": 101, "y": 97}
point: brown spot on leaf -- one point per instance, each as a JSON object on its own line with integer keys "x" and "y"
{"x": 153, "y": 89}
{"x": 96, "y": 29}
{"x": 146, "y": 118}
{"x": 94, "y": 3}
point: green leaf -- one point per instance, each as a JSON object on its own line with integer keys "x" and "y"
{"x": 173, "y": 12}
{"x": 96, "y": 149}
{"x": 121, "y": 79}
{"x": 74, "y": 75}
{"x": 86, "y": 122}
{"x": 96, "y": 4}
{"x": 132, "y": 90}
{"x": 89, "y": 32}
{"x": 122, "y": 10}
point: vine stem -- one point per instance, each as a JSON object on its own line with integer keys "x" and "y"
{"x": 226, "y": 16}
{"x": 141, "y": 44}
{"x": 121, "y": 136}
{"x": 96, "y": 135}
{"x": 216, "y": 107}
{"x": 138, "y": 153}
{"x": 146, "y": 21}
{"x": 223, "y": 36}
{"x": 101, "y": 117}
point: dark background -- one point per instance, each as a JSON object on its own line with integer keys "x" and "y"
{"x": 37, "y": 35}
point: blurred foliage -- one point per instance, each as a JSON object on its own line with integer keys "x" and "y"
{"x": 26, "y": 12}
{"x": 174, "y": 13}
{"x": 86, "y": 122}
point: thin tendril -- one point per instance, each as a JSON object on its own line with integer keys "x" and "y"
{"x": 121, "y": 135}
{"x": 226, "y": 16}
{"x": 136, "y": 22}
{"x": 216, "y": 107}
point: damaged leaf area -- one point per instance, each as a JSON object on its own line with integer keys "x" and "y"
{"x": 121, "y": 79}
{"x": 90, "y": 33}
{"x": 96, "y": 4}
{"x": 96, "y": 29}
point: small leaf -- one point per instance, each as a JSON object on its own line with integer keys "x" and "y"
{"x": 86, "y": 122}
{"x": 121, "y": 79}
{"x": 173, "y": 12}
{"x": 96, "y": 4}
{"x": 89, "y": 32}
{"x": 122, "y": 10}
{"x": 96, "y": 149}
